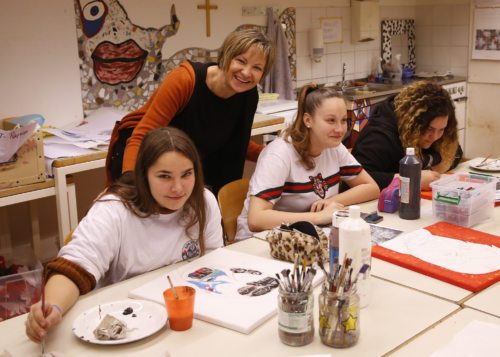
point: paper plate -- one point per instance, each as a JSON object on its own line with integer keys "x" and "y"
{"x": 145, "y": 319}
{"x": 490, "y": 165}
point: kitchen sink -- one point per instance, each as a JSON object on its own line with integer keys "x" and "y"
{"x": 367, "y": 89}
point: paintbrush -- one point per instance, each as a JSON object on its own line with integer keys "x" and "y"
{"x": 173, "y": 288}
{"x": 43, "y": 313}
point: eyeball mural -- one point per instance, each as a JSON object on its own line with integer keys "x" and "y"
{"x": 120, "y": 62}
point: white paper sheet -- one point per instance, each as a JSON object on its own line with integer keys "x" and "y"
{"x": 477, "y": 338}
{"x": 12, "y": 140}
{"x": 217, "y": 299}
{"x": 452, "y": 254}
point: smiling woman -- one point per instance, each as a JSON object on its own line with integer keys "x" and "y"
{"x": 123, "y": 235}
{"x": 214, "y": 103}
{"x": 298, "y": 175}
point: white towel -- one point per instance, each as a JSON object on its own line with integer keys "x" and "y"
{"x": 279, "y": 79}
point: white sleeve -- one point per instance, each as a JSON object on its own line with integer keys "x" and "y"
{"x": 213, "y": 227}
{"x": 96, "y": 240}
{"x": 272, "y": 170}
{"x": 349, "y": 167}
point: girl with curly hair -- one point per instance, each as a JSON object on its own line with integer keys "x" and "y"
{"x": 421, "y": 116}
{"x": 297, "y": 176}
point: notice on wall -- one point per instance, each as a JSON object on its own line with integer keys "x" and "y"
{"x": 332, "y": 29}
{"x": 486, "y": 39}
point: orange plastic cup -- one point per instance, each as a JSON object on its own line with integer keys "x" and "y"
{"x": 180, "y": 311}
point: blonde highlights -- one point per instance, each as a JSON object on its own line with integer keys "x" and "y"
{"x": 416, "y": 106}
{"x": 239, "y": 42}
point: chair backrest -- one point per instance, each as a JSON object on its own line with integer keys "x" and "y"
{"x": 231, "y": 198}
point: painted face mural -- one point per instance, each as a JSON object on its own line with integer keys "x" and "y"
{"x": 120, "y": 62}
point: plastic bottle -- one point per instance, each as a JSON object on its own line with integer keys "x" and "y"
{"x": 333, "y": 242}
{"x": 398, "y": 69}
{"x": 410, "y": 172}
{"x": 355, "y": 242}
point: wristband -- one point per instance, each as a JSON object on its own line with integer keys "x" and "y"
{"x": 58, "y": 308}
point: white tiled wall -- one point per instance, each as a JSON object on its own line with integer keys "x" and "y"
{"x": 357, "y": 57}
{"x": 442, "y": 38}
{"x": 441, "y": 42}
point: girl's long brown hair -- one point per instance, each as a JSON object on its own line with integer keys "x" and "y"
{"x": 135, "y": 193}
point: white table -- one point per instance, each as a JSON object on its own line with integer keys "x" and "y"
{"x": 441, "y": 335}
{"x": 410, "y": 278}
{"x": 394, "y": 316}
{"x": 487, "y": 300}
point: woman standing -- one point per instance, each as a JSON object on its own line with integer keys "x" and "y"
{"x": 163, "y": 216}
{"x": 214, "y": 103}
{"x": 298, "y": 175}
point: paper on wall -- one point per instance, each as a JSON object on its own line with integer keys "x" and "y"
{"x": 12, "y": 140}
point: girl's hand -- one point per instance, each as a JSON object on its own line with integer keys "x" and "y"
{"x": 37, "y": 325}
{"x": 427, "y": 177}
{"x": 320, "y": 205}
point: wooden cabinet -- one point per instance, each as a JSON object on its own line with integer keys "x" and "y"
{"x": 365, "y": 20}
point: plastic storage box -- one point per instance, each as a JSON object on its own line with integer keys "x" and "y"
{"x": 464, "y": 199}
{"x": 21, "y": 288}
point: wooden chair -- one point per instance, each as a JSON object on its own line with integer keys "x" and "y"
{"x": 231, "y": 198}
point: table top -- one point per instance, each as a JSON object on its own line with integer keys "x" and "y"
{"x": 487, "y": 300}
{"x": 389, "y": 302}
{"x": 442, "y": 334}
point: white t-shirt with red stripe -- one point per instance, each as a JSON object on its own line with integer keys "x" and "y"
{"x": 281, "y": 178}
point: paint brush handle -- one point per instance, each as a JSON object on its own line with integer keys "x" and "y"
{"x": 173, "y": 288}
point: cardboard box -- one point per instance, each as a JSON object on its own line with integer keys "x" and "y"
{"x": 29, "y": 164}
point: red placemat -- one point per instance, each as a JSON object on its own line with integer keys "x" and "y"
{"x": 471, "y": 282}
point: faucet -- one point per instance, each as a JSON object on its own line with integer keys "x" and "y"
{"x": 343, "y": 84}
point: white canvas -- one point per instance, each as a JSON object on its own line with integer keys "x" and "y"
{"x": 217, "y": 299}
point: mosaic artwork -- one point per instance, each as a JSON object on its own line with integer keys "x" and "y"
{"x": 398, "y": 27}
{"x": 121, "y": 63}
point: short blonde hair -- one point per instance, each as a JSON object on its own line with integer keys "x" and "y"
{"x": 240, "y": 41}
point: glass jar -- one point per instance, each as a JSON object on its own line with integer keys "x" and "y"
{"x": 339, "y": 319}
{"x": 295, "y": 317}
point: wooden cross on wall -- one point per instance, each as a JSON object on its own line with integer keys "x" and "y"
{"x": 207, "y": 7}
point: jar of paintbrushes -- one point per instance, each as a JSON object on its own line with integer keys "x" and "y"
{"x": 296, "y": 305}
{"x": 339, "y": 323}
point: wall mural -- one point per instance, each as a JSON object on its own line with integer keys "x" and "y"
{"x": 120, "y": 62}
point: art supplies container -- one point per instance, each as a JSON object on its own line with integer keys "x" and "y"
{"x": 464, "y": 199}
{"x": 295, "y": 317}
{"x": 339, "y": 318}
{"x": 355, "y": 242}
{"x": 19, "y": 284}
{"x": 333, "y": 241}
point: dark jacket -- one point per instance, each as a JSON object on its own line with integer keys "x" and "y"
{"x": 379, "y": 149}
